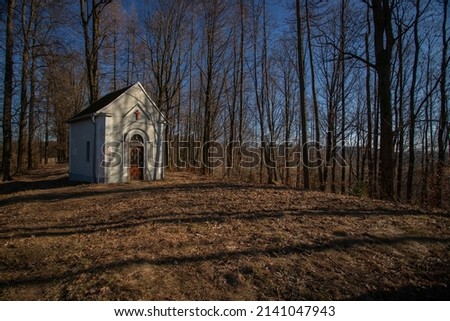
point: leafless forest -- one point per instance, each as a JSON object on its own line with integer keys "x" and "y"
{"x": 343, "y": 96}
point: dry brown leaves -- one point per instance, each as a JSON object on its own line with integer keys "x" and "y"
{"x": 196, "y": 238}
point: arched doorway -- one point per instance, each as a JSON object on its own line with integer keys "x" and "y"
{"x": 137, "y": 161}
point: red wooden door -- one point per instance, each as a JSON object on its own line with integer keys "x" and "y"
{"x": 136, "y": 162}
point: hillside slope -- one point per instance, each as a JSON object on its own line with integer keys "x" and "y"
{"x": 194, "y": 238}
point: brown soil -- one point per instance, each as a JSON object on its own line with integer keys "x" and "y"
{"x": 195, "y": 238}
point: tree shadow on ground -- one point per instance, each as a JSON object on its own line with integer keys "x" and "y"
{"x": 144, "y": 186}
{"x": 155, "y": 190}
{"x": 221, "y": 256}
{"x": 133, "y": 218}
{"x": 89, "y": 227}
{"x": 409, "y": 293}
{"x": 43, "y": 184}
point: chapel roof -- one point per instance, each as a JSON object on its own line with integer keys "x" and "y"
{"x": 101, "y": 103}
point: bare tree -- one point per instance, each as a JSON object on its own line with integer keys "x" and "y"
{"x": 443, "y": 118}
{"x": 370, "y": 166}
{"x": 65, "y": 82}
{"x": 32, "y": 106}
{"x": 233, "y": 100}
{"x": 285, "y": 58}
{"x": 164, "y": 41}
{"x": 28, "y": 14}
{"x": 343, "y": 89}
{"x": 301, "y": 79}
{"x": 412, "y": 109}
{"x": 214, "y": 46}
{"x": 8, "y": 91}
{"x": 113, "y": 31}
{"x": 384, "y": 43}
{"x": 400, "y": 108}
{"x": 314, "y": 94}
{"x": 90, "y": 19}
{"x": 242, "y": 40}
{"x": 427, "y": 140}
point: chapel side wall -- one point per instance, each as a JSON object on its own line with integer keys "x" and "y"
{"x": 81, "y": 157}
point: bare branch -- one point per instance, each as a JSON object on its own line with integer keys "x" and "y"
{"x": 351, "y": 55}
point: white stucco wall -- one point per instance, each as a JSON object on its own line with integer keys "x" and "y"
{"x": 82, "y": 168}
{"x": 122, "y": 125}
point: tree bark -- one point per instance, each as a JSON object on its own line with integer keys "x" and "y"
{"x": 8, "y": 91}
{"x": 241, "y": 76}
{"x": 314, "y": 97}
{"x": 384, "y": 42}
{"x": 369, "y": 112}
{"x": 443, "y": 119}
{"x": 90, "y": 20}
{"x": 301, "y": 79}
{"x": 342, "y": 49}
{"x": 400, "y": 114}
{"x": 412, "y": 111}
{"x": 31, "y": 120}
{"x": 27, "y": 18}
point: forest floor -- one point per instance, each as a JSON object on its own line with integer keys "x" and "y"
{"x": 198, "y": 238}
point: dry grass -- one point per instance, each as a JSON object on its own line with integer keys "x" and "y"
{"x": 195, "y": 238}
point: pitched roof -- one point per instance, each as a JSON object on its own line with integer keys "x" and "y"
{"x": 102, "y": 102}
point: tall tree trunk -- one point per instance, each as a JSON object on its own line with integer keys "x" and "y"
{"x": 334, "y": 150}
{"x": 330, "y": 143}
{"x": 114, "y": 59}
{"x": 21, "y": 147}
{"x": 94, "y": 81}
{"x": 412, "y": 111}
{"x": 400, "y": 114}
{"x": 232, "y": 111}
{"x": 211, "y": 20}
{"x": 8, "y": 91}
{"x": 301, "y": 79}
{"x": 27, "y": 17}
{"x": 314, "y": 97}
{"x": 90, "y": 20}
{"x": 241, "y": 75}
{"x": 287, "y": 122}
{"x": 261, "y": 100}
{"x": 359, "y": 175}
{"x": 342, "y": 49}
{"x": 376, "y": 130}
{"x": 369, "y": 111}
{"x": 425, "y": 141}
{"x": 207, "y": 119}
{"x": 268, "y": 150}
{"x": 85, "y": 17}
{"x": 384, "y": 42}
{"x": 31, "y": 126}
{"x": 47, "y": 126}
{"x": 443, "y": 119}
{"x": 190, "y": 133}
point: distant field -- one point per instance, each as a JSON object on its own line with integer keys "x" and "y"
{"x": 196, "y": 238}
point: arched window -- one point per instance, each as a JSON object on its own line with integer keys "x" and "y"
{"x": 137, "y": 139}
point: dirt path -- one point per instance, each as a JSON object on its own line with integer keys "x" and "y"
{"x": 194, "y": 238}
